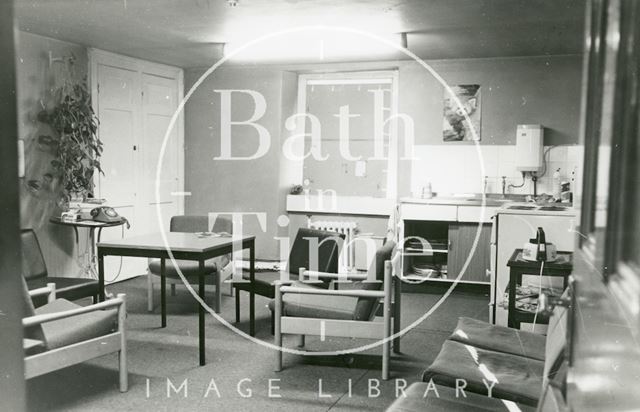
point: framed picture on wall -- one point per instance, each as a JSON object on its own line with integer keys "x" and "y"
{"x": 455, "y": 127}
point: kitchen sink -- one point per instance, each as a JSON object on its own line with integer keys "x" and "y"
{"x": 553, "y": 208}
{"x": 521, "y": 207}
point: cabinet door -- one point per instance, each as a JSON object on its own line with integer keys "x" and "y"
{"x": 461, "y": 238}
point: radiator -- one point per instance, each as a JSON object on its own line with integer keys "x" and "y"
{"x": 346, "y": 259}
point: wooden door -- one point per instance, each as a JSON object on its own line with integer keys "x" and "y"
{"x": 461, "y": 239}
{"x": 118, "y": 108}
{"x": 118, "y": 111}
{"x": 159, "y": 157}
{"x": 135, "y": 101}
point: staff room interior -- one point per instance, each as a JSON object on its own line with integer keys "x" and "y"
{"x": 323, "y": 205}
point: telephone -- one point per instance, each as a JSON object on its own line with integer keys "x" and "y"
{"x": 107, "y": 215}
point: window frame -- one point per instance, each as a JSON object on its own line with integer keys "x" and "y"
{"x": 352, "y": 77}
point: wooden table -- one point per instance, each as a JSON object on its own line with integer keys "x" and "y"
{"x": 88, "y": 268}
{"x": 185, "y": 246}
{"x": 518, "y": 267}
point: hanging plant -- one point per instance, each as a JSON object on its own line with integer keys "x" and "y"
{"x": 75, "y": 145}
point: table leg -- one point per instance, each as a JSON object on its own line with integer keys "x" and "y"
{"x": 92, "y": 253}
{"x": 252, "y": 294}
{"x": 163, "y": 294}
{"x": 512, "y": 298}
{"x": 218, "y": 291}
{"x": 237, "y": 306}
{"x": 100, "y": 276}
{"x": 201, "y": 341}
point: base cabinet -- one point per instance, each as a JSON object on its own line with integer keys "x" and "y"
{"x": 450, "y": 248}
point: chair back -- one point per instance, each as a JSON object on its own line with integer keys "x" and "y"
{"x": 366, "y": 307}
{"x": 329, "y": 245}
{"x": 199, "y": 223}
{"x": 189, "y": 224}
{"x": 33, "y": 264}
{"x": 33, "y": 332}
{"x": 222, "y": 224}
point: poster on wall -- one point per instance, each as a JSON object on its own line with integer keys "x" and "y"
{"x": 455, "y": 127}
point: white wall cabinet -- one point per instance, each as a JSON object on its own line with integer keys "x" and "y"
{"x": 135, "y": 101}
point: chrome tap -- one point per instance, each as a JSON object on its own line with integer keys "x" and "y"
{"x": 486, "y": 182}
{"x": 504, "y": 185}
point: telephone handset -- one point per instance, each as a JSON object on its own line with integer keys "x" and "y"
{"x": 107, "y": 215}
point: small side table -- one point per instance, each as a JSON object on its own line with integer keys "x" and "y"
{"x": 562, "y": 267}
{"x": 88, "y": 267}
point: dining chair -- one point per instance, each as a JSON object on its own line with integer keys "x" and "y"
{"x": 62, "y": 333}
{"x": 328, "y": 244}
{"x": 34, "y": 271}
{"x": 303, "y": 309}
{"x": 216, "y": 268}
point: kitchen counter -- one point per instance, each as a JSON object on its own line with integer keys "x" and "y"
{"x": 340, "y": 205}
{"x": 455, "y": 208}
{"x": 491, "y": 200}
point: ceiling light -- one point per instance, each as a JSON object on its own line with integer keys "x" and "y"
{"x": 312, "y": 44}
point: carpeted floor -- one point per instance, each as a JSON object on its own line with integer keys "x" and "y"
{"x": 238, "y": 371}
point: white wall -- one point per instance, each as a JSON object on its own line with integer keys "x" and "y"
{"x": 457, "y": 169}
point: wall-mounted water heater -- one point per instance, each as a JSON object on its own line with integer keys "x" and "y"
{"x": 529, "y": 147}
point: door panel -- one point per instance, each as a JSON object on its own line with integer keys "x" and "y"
{"x": 159, "y": 104}
{"x": 118, "y": 107}
{"x": 117, "y": 111}
{"x": 461, "y": 238}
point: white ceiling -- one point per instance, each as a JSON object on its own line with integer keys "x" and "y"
{"x": 190, "y": 33}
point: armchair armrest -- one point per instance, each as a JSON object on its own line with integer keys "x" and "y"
{"x": 49, "y": 290}
{"x": 118, "y": 301}
{"x": 305, "y": 274}
{"x": 354, "y": 293}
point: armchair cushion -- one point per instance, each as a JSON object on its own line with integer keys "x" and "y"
{"x": 189, "y": 268}
{"x": 66, "y": 288}
{"x": 316, "y": 306}
{"x": 189, "y": 223}
{"x": 420, "y": 396}
{"x": 329, "y": 245}
{"x": 499, "y": 338}
{"x": 32, "y": 346}
{"x": 78, "y": 328}
{"x": 367, "y": 306}
{"x": 519, "y": 379}
{"x": 264, "y": 283}
{"x": 34, "y": 271}
{"x": 33, "y": 265}
{"x": 193, "y": 224}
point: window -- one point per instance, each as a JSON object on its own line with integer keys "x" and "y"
{"x": 349, "y": 137}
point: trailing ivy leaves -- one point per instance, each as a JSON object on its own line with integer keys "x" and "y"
{"x": 76, "y": 146}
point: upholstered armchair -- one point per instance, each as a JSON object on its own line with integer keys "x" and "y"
{"x": 328, "y": 245}
{"x": 61, "y": 333}
{"x": 34, "y": 271}
{"x": 517, "y": 374}
{"x": 216, "y": 267}
{"x": 302, "y": 309}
